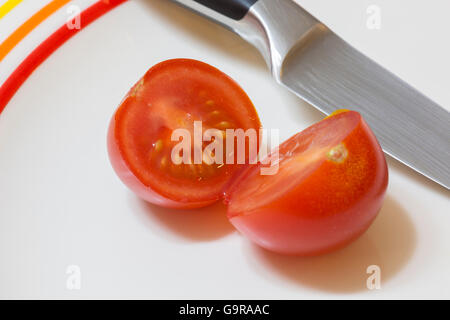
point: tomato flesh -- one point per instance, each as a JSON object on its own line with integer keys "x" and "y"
{"x": 173, "y": 95}
{"x": 330, "y": 185}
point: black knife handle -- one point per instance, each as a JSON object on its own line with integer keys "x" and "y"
{"x": 234, "y": 9}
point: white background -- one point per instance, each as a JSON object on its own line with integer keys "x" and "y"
{"x": 61, "y": 204}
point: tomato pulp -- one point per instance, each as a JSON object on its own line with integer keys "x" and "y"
{"x": 172, "y": 95}
{"x": 330, "y": 186}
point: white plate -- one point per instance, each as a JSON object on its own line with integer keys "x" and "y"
{"x": 61, "y": 205}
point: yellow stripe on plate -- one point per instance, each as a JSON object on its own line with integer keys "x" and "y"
{"x": 29, "y": 25}
{"x": 8, "y": 6}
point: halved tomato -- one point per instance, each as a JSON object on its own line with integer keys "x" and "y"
{"x": 173, "y": 95}
{"x": 330, "y": 185}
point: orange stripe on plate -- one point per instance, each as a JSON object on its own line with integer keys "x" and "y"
{"x": 29, "y": 25}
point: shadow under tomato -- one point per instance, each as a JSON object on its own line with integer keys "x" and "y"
{"x": 204, "y": 224}
{"x": 388, "y": 243}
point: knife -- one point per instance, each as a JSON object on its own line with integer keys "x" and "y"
{"x": 318, "y": 66}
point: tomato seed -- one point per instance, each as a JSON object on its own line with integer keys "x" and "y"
{"x": 215, "y": 113}
{"x": 338, "y": 153}
{"x": 223, "y": 125}
{"x": 158, "y": 145}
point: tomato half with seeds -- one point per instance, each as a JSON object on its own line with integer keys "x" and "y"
{"x": 172, "y": 95}
{"x": 329, "y": 187}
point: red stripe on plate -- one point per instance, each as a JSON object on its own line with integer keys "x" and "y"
{"x": 46, "y": 48}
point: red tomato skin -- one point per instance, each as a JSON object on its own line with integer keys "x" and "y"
{"x": 329, "y": 209}
{"x": 135, "y": 185}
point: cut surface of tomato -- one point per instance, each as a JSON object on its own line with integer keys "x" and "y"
{"x": 172, "y": 95}
{"x": 329, "y": 187}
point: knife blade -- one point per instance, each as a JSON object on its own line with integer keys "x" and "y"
{"x": 309, "y": 59}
